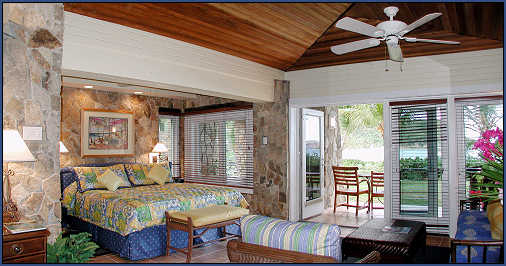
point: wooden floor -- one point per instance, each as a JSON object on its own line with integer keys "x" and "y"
{"x": 217, "y": 251}
{"x": 214, "y": 253}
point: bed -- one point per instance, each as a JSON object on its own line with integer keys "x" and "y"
{"x": 130, "y": 221}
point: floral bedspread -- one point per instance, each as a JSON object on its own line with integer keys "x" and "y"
{"x": 132, "y": 209}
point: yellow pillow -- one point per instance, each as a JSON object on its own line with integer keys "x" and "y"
{"x": 110, "y": 180}
{"x": 495, "y": 217}
{"x": 158, "y": 174}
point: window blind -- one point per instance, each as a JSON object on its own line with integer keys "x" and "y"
{"x": 219, "y": 148}
{"x": 474, "y": 115}
{"x": 419, "y": 144}
{"x": 168, "y": 134}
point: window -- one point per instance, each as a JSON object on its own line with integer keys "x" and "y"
{"x": 219, "y": 148}
{"x": 474, "y": 116}
{"x": 168, "y": 134}
{"x": 420, "y": 163}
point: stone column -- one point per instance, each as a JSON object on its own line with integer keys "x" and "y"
{"x": 271, "y": 161}
{"x": 333, "y": 152}
{"x": 32, "y": 53}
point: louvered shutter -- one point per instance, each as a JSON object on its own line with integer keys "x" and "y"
{"x": 219, "y": 148}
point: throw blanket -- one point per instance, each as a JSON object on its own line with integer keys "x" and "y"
{"x": 132, "y": 209}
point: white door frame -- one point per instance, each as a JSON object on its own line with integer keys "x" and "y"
{"x": 294, "y": 195}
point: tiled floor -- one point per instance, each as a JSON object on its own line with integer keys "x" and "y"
{"x": 217, "y": 252}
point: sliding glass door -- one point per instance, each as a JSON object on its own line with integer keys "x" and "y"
{"x": 474, "y": 117}
{"x": 420, "y": 162}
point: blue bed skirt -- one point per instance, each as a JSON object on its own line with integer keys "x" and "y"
{"x": 148, "y": 243}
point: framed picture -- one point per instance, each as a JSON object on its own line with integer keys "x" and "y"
{"x": 107, "y": 133}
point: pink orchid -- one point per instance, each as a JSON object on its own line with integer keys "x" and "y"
{"x": 487, "y": 143}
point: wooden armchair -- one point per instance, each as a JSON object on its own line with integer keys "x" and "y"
{"x": 348, "y": 176}
{"x": 240, "y": 252}
{"x": 377, "y": 188}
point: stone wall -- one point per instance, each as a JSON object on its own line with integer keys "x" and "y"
{"x": 271, "y": 160}
{"x": 333, "y": 155}
{"x": 145, "y": 109}
{"x": 32, "y": 55}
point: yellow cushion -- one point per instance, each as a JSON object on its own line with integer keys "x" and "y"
{"x": 495, "y": 217}
{"x": 110, "y": 180}
{"x": 211, "y": 215}
{"x": 159, "y": 174}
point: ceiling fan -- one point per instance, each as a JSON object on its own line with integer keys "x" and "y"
{"x": 390, "y": 31}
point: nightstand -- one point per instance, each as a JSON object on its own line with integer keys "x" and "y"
{"x": 29, "y": 247}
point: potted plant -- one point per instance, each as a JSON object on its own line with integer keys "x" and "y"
{"x": 491, "y": 176}
{"x": 77, "y": 248}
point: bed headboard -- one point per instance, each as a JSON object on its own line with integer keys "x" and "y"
{"x": 68, "y": 175}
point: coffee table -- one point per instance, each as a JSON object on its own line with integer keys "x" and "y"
{"x": 397, "y": 247}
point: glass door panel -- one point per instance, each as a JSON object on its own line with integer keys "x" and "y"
{"x": 313, "y": 157}
{"x": 312, "y": 162}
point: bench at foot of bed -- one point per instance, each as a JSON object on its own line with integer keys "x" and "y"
{"x": 208, "y": 217}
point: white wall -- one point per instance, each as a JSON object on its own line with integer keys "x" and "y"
{"x": 448, "y": 74}
{"x": 100, "y": 50}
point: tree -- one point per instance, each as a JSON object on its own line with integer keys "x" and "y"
{"x": 354, "y": 118}
{"x": 482, "y": 117}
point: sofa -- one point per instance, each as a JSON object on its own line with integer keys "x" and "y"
{"x": 473, "y": 242}
{"x": 272, "y": 240}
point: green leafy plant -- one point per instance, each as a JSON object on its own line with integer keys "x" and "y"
{"x": 77, "y": 248}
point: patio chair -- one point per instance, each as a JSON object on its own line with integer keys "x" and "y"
{"x": 377, "y": 188}
{"x": 348, "y": 176}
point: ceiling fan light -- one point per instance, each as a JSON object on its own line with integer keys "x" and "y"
{"x": 395, "y": 53}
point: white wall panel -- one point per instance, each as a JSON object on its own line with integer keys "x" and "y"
{"x": 102, "y": 50}
{"x": 468, "y": 72}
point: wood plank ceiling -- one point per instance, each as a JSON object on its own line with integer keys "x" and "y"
{"x": 294, "y": 36}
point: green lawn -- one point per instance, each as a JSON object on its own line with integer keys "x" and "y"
{"x": 415, "y": 193}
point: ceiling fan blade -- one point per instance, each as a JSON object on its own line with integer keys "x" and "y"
{"x": 395, "y": 53}
{"x": 408, "y": 39}
{"x": 354, "y": 46}
{"x": 419, "y": 23}
{"x": 359, "y": 27}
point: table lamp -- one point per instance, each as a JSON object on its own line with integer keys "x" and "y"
{"x": 159, "y": 147}
{"x": 14, "y": 150}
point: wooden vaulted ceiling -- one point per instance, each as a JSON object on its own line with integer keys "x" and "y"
{"x": 293, "y": 36}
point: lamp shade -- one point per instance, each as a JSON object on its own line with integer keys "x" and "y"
{"x": 63, "y": 149}
{"x": 14, "y": 148}
{"x": 160, "y": 147}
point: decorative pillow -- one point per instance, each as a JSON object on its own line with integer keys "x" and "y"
{"x": 159, "y": 174}
{"x": 111, "y": 180}
{"x": 138, "y": 173}
{"x": 495, "y": 217}
{"x": 87, "y": 176}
